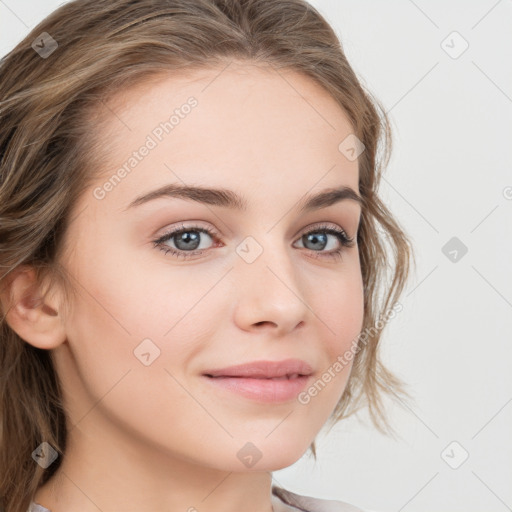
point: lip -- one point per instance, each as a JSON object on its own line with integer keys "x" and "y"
{"x": 263, "y": 381}
{"x": 264, "y": 369}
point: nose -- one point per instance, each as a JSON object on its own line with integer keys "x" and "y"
{"x": 269, "y": 294}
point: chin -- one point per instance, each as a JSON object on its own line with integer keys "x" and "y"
{"x": 279, "y": 452}
{"x": 252, "y": 450}
{"x": 280, "y": 461}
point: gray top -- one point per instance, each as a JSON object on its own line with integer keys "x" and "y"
{"x": 282, "y": 501}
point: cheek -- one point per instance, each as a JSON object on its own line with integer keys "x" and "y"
{"x": 339, "y": 306}
{"x": 340, "y": 309}
{"x": 119, "y": 312}
{"x": 132, "y": 310}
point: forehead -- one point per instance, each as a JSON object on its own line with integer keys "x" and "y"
{"x": 250, "y": 127}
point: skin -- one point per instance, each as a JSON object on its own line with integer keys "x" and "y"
{"x": 158, "y": 437}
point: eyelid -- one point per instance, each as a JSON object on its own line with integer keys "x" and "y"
{"x": 194, "y": 225}
{"x": 176, "y": 230}
{"x": 330, "y": 228}
{"x": 214, "y": 233}
{"x": 322, "y": 225}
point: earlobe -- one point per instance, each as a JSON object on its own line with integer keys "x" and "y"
{"x": 36, "y": 321}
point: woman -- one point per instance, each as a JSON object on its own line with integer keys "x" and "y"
{"x": 191, "y": 251}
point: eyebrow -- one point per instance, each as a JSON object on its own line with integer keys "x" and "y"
{"x": 229, "y": 199}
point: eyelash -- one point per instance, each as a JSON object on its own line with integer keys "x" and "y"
{"x": 345, "y": 241}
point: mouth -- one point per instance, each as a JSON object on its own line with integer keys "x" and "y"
{"x": 283, "y": 377}
{"x": 263, "y": 381}
{"x": 285, "y": 368}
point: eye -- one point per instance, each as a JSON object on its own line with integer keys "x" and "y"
{"x": 187, "y": 241}
{"x": 317, "y": 239}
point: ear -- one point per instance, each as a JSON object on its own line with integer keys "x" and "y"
{"x": 38, "y": 323}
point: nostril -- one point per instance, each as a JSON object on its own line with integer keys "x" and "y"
{"x": 264, "y": 322}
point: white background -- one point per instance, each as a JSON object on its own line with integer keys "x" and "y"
{"x": 451, "y": 166}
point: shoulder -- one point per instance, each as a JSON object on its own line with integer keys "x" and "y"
{"x": 310, "y": 504}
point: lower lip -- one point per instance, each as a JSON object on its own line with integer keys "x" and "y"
{"x": 262, "y": 390}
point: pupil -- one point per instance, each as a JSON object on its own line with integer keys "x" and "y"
{"x": 187, "y": 241}
{"x": 315, "y": 240}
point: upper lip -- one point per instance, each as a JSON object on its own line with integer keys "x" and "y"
{"x": 264, "y": 369}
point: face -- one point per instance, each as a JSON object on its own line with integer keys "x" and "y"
{"x": 250, "y": 275}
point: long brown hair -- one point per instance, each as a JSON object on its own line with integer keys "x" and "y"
{"x": 54, "y": 86}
